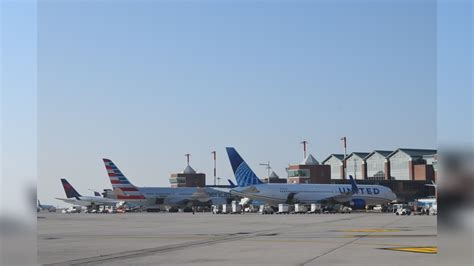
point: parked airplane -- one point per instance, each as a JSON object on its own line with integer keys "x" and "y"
{"x": 358, "y": 196}
{"x": 73, "y": 197}
{"x": 153, "y": 196}
{"x": 42, "y": 207}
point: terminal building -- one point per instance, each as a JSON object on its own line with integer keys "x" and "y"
{"x": 336, "y": 163}
{"x": 377, "y": 166}
{"x": 406, "y": 171}
{"x": 188, "y": 178}
{"x": 411, "y": 164}
{"x": 355, "y": 165}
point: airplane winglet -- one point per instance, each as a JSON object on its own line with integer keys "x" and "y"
{"x": 353, "y": 184}
{"x": 232, "y": 185}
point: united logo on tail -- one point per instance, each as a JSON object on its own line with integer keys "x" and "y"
{"x": 243, "y": 174}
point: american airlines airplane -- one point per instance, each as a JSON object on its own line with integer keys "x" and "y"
{"x": 153, "y": 196}
{"x": 250, "y": 186}
{"x": 73, "y": 197}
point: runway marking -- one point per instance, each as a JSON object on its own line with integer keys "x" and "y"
{"x": 313, "y": 260}
{"x": 427, "y": 250}
{"x": 376, "y": 230}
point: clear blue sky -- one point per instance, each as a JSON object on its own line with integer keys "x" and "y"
{"x": 144, "y": 83}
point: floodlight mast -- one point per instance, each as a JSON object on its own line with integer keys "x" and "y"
{"x": 215, "y": 168}
{"x": 268, "y": 167}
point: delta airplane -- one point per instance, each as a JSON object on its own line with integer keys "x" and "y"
{"x": 250, "y": 186}
{"x": 42, "y": 207}
{"x": 73, "y": 197}
{"x": 153, "y": 196}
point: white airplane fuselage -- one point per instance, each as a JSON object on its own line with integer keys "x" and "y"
{"x": 177, "y": 197}
{"x": 315, "y": 193}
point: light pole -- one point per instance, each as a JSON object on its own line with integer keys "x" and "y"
{"x": 304, "y": 142}
{"x": 215, "y": 171}
{"x": 187, "y": 157}
{"x": 344, "y": 144}
{"x": 268, "y": 169}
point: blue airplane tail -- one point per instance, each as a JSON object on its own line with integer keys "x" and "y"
{"x": 70, "y": 191}
{"x": 243, "y": 174}
{"x": 97, "y": 194}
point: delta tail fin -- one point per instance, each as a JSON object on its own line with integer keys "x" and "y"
{"x": 69, "y": 189}
{"x": 243, "y": 174}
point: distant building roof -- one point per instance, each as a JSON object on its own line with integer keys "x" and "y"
{"x": 358, "y": 154}
{"x": 415, "y": 152}
{"x": 189, "y": 170}
{"x": 273, "y": 175}
{"x": 340, "y": 157}
{"x": 383, "y": 153}
{"x": 435, "y": 156}
{"x": 310, "y": 160}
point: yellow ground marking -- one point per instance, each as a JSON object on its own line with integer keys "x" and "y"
{"x": 428, "y": 250}
{"x": 317, "y": 241}
{"x": 385, "y": 236}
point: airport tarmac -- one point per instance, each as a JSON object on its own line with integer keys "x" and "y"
{"x": 207, "y": 239}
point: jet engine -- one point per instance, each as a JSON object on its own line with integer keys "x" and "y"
{"x": 357, "y": 204}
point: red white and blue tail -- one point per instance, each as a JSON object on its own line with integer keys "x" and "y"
{"x": 120, "y": 182}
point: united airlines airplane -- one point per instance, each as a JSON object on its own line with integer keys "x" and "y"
{"x": 73, "y": 197}
{"x": 250, "y": 186}
{"x": 152, "y": 196}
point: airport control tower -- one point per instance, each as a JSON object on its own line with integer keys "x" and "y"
{"x": 309, "y": 171}
{"x": 188, "y": 177}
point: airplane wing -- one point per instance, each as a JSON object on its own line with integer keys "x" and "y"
{"x": 75, "y": 201}
{"x": 200, "y": 195}
{"x": 253, "y": 193}
{"x": 88, "y": 202}
{"x": 176, "y": 201}
{"x": 222, "y": 189}
{"x": 247, "y": 192}
{"x": 105, "y": 201}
